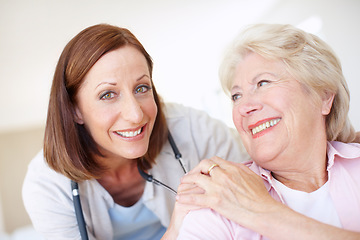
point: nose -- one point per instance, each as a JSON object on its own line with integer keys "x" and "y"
{"x": 248, "y": 105}
{"x": 131, "y": 109}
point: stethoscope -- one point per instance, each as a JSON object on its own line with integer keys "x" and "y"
{"x": 148, "y": 177}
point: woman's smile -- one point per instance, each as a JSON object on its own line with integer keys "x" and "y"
{"x": 263, "y": 125}
{"x": 129, "y": 134}
{"x": 132, "y": 134}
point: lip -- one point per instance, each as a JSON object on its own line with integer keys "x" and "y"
{"x": 259, "y": 134}
{"x": 134, "y": 138}
{"x": 250, "y": 127}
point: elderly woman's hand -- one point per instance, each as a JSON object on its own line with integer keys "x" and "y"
{"x": 231, "y": 189}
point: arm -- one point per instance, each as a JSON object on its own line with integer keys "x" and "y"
{"x": 285, "y": 222}
{"x": 50, "y": 212}
{"x": 179, "y": 213}
{"x": 208, "y": 137}
{"x": 212, "y": 137}
{"x": 246, "y": 201}
{"x": 48, "y": 201}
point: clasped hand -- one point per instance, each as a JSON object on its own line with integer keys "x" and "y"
{"x": 231, "y": 189}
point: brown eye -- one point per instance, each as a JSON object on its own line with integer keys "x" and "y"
{"x": 107, "y": 95}
{"x": 142, "y": 89}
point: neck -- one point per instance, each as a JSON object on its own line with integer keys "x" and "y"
{"x": 123, "y": 182}
{"x": 306, "y": 172}
{"x": 302, "y": 181}
{"x": 118, "y": 168}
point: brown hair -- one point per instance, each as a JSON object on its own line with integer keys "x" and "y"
{"x": 68, "y": 147}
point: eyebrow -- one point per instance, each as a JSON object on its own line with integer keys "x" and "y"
{"x": 102, "y": 83}
{"x": 234, "y": 88}
{"x": 115, "y": 83}
{"x": 254, "y": 79}
{"x": 145, "y": 75}
{"x": 264, "y": 73}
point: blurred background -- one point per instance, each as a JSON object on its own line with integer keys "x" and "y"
{"x": 186, "y": 39}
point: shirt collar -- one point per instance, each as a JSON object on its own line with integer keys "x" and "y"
{"x": 342, "y": 150}
{"x": 334, "y": 148}
{"x": 263, "y": 173}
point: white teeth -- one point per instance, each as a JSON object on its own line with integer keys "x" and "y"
{"x": 265, "y": 125}
{"x": 129, "y": 134}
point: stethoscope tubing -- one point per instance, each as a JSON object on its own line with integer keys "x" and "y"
{"x": 176, "y": 152}
{"x": 148, "y": 177}
{"x": 78, "y": 210}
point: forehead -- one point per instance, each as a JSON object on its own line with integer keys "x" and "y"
{"x": 254, "y": 62}
{"x": 125, "y": 56}
{"x": 121, "y": 62}
{"x": 254, "y": 65}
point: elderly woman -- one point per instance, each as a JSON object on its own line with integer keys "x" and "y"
{"x": 290, "y": 105}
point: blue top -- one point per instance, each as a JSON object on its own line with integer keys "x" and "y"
{"x": 135, "y": 223}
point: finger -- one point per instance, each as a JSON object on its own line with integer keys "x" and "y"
{"x": 189, "y": 188}
{"x": 186, "y": 186}
{"x": 228, "y": 165}
{"x": 198, "y": 179}
{"x": 224, "y": 164}
{"x": 198, "y": 200}
{"x": 202, "y": 166}
{"x": 206, "y": 165}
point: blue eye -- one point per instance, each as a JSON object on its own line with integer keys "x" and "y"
{"x": 107, "y": 96}
{"x": 263, "y": 82}
{"x": 235, "y": 97}
{"x": 142, "y": 89}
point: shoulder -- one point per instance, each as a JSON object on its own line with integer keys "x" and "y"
{"x": 209, "y": 136}
{"x": 183, "y": 118}
{"x": 38, "y": 170}
{"x": 176, "y": 110}
{"x": 209, "y": 225}
{"x": 41, "y": 180}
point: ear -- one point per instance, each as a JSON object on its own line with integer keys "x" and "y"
{"x": 78, "y": 116}
{"x": 327, "y": 101}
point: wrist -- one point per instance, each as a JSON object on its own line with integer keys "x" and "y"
{"x": 170, "y": 234}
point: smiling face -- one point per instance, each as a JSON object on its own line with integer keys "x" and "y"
{"x": 116, "y": 103}
{"x": 274, "y": 114}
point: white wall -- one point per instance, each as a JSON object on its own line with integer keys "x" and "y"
{"x": 186, "y": 39}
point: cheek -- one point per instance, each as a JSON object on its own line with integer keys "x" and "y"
{"x": 237, "y": 119}
{"x": 150, "y": 108}
{"x": 98, "y": 125}
{"x": 96, "y": 118}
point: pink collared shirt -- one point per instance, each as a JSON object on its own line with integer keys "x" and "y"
{"x": 344, "y": 186}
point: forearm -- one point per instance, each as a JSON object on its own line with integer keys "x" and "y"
{"x": 170, "y": 234}
{"x": 178, "y": 215}
{"x": 283, "y": 222}
{"x": 246, "y": 201}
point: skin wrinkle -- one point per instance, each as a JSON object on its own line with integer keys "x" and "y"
{"x": 266, "y": 101}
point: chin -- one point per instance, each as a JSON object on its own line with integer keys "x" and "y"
{"x": 134, "y": 154}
